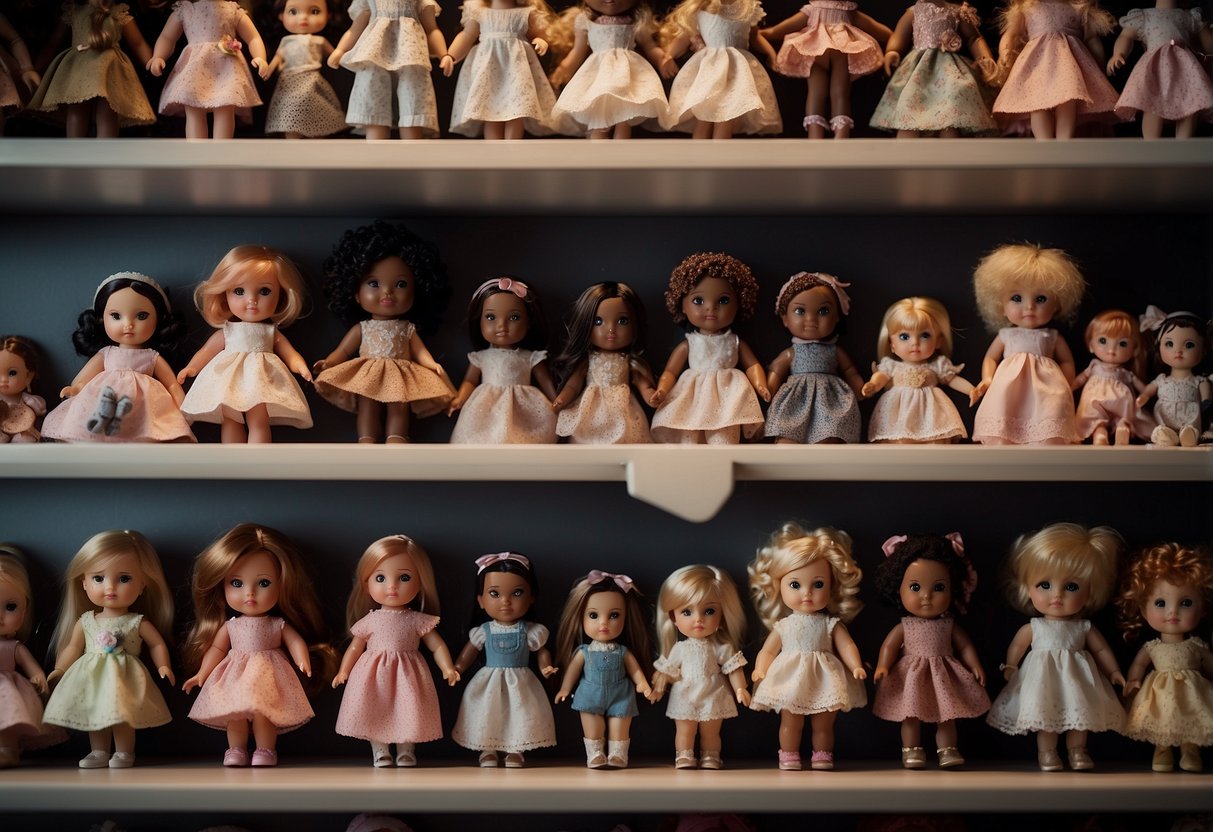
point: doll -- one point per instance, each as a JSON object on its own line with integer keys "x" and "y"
{"x": 608, "y": 670}
{"x": 600, "y": 362}
{"x": 918, "y": 677}
{"x": 722, "y": 89}
{"x": 13, "y": 50}
{"x": 20, "y": 409}
{"x": 390, "y": 697}
{"x": 502, "y": 92}
{"x": 304, "y": 104}
{"x": 126, "y": 392}
{"x": 115, "y": 600}
{"x": 504, "y": 708}
{"x": 244, "y": 370}
{"x": 915, "y": 350}
{"x": 1065, "y": 573}
{"x": 1112, "y": 381}
{"x": 376, "y": 276}
{"x": 830, "y": 43}
{"x": 1051, "y": 57}
{"x": 1028, "y": 370}
{"x": 713, "y": 402}
{"x": 700, "y": 627}
{"x": 211, "y": 76}
{"x": 497, "y": 402}
{"x": 805, "y": 586}
{"x": 93, "y": 80}
{"x": 814, "y": 381}
{"x": 1183, "y": 396}
{"x": 1170, "y": 588}
{"x": 1169, "y": 82}
{"x": 935, "y": 91}
{"x": 388, "y": 48}
{"x": 245, "y": 677}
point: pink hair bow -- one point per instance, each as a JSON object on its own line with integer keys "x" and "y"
{"x": 890, "y": 545}
{"x": 622, "y": 581}
{"x": 970, "y": 581}
{"x": 1152, "y": 318}
{"x": 505, "y": 284}
{"x": 484, "y": 562}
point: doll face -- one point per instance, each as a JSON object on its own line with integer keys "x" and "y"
{"x": 387, "y": 290}
{"x": 506, "y": 597}
{"x": 808, "y": 588}
{"x": 700, "y": 620}
{"x": 711, "y": 305}
{"x": 114, "y": 584}
{"x": 15, "y": 377}
{"x": 1029, "y": 307}
{"x": 251, "y": 587}
{"x": 613, "y": 328}
{"x": 914, "y": 345}
{"x": 812, "y": 314}
{"x": 305, "y": 17}
{"x": 604, "y": 616}
{"x": 1112, "y": 350}
{"x": 254, "y": 298}
{"x": 611, "y": 7}
{"x": 129, "y": 318}
{"x": 503, "y": 319}
{"x": 1182, "y": 348}
{"x": 926, "y": 589}
{"x": 1059, "y": 596}
{"x": 394, "y": 583}
{"x": 1173, "y": 610}
{"x": 12, "y": 609}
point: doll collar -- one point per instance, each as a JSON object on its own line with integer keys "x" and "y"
{"x": 138, "y": 278}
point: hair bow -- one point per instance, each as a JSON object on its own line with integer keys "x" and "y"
{"x": 970, "y": 581}
{"x": 484, "y": 562}
{"x": 1152, "y": 318}
{"x": 844, "y": 300}
{"x": 505, "y": 284}
{"x": 890, "y": 545}
{"x": 622, "y": 581}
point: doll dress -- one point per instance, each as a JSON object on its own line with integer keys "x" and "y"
{"x": 711, "y": 394}
{"x": 807, "y": 677}
{"x": 698, "y": 669}
{"x": 20, "y": 705}
{"x": 9, "y": 99}
{"x": 303, "y": 101}
{"x": 815, "y": 403}
{"x": 1058, "y": 686}
{"x": 1175, "y": 703}
{"x": 505, "y": 408}
{"x": 915, "y": 408}
{"x": 615, "y": 84}
{"x": 724, "y": 81}
{"x": 1108, "y": 398}
{"x": 153, "y": 417}
{"x": 504, "y": 707}
{"x": 108, "y": 685}
{"x": 1169, "y": 79}
{"x": 381, "y": 372}
{"x": 927, "y": 682}
{"x": 604, "y": 687}
{"x": 830, "y": 25}
{"x": 390, "y": 696}
{"x": 20, "y": 418}
{"x": 255, "y": 678}
{"x": 392, "y": 56}
{"x": 244, "y": 374}
{"x": 606, "y": 412}
{"x": 81, "y": 73}
{"x": 1029, "y": 399}
{"x": 206, "y": 77}
{"x": 1178, "y": 404}
{"x": 935, "y": 87}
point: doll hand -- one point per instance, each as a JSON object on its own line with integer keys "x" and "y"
{"x": 541, "y": 46}
{"x": 300, "y": 369}
{"x": 319, "y": 366}
{"x": 185, "y": 373}
{"x": 869, "y": 387}
{"x": 1131, "y": 687}
{"x": 656, "y": 398}
{"x": 859, "y": 673}
{"x": 167, "y": 673}
{"x": 559, "y": 77}
{"x": 451, "y": 677}
{"x": 262, "y": 67}
{"x": 69, "y": 391}
{"x": 1118, "y": 679}
{"x": 1141, "y": 401}
{"x": 643, "y": 689}
{"x": 155, "y": 66}
{"x": 549, "y": 671}
{"x": 1008, "y": 671}
{"x": 879, "y": 675}
{"x": 668, "y": 67}
{"x": 53, "y": 677}
{"x": 977, "y": 392}
{"x": 191, "y": 683}
{"x": 743, "y": 697}
{"x": 891, "y": 61}
{"x": 561, "y": 696}
{"x": 1115, "y": 63}
{"x": 447, "y": 65}
{"x": 655, "y": 693}
{"x": 40, "y": 684}
{"x": 339, "y": 679}
{"x": 980, "y": 675}
{"x": 31, "y": 78}
{"x": 334, "y": 60}
{"x": 305, "y": 667}
{"x": 757, "y": 676}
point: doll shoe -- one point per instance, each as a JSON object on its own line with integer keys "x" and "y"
{"x": 949, "y": 757}
{"x": 9, "y": 757}
{"x": 913, "y": 756}
{"x": 711, "y": 761}
{"x": 1189, "y": 757}
{"x": 514, "y": 760}
{"x": 122, "y": 759}
{"x": 1080, "y": 760}
{"x": 235, "y": 757}
{"x": 1189, "y": 437}
{"x": 107, "y": 402}
{"x": 95, "y": 759}
{"x": 381, "y": 755}
{"x": 822, "y": 761}
{"x": 841, "y": 123}
{"x": 1048, "y": 760}
{"x": 396, "y": 439}
{"x": 815, "y": 120}
{"x": 122, "y": 408}
{"x": 1163, "y": 759}
{"x": 789, "y": 761}
{"x": 1163, "y": 435}
{"x": 488, "y": 759}
{"x": 595, "y": 756}
{"x": 617, "y": 753}
{"x": 265, "y": 758}
{"x": 685, "y": 759}
{"x": 406, "y": 755}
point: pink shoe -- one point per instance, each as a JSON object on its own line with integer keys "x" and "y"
{"x": 789, "y": 761}
{"x": 822, "y": 761}
{"x": 265, "y": 757}
{"x": 235, "y": 758}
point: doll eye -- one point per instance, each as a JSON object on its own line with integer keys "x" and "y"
{"x": 1017, "y": 298}
{"x": 926, "y": 335}
{"x": 940, "y": 587}
{"x": 404, "y": 579}
{"x": 379, "y": 579}
{"x": 518, "y": 593}
{"x": 372, "y": 283}
{"x": 685, "y": 612}
{"x": 709, "y": 611}
{"x": 11, "y": 606}
{"x": 98, "y": 579}
{"x": 915, "y": 586}
{"x": 1071, "y": 586}
{"x": 402, "y": 284}
{"x": 598, "y": 321}
{"x": 12, "y": 373}
{"x": 825, "y": 311}
{"x": 819, "y": 584}
{"x": 1123, "y": 344}
{"x": 142, "y": 316}
{"x": 494, "y": 593}
{"x": 793, "y": 584}
{"x": 1041, "y": 299}
{"x": 725, "y": 300}
{"x": 1044, "y": 585}
{"x": 1189, "y": 345}
{"x": 238, "y": 291}
{"x": 114, "y": 316}
{"x": 623, "y": 320}
{"x": 1186, "y": 602}
{"x": 125, "y": 579}
{"x": 1160, "y": 603}
{"x": 264, "y": 291}
{"x": 490, "y": 316}
{"x": 264, "y": 583}
{"x": 515, "y": 317}
{"x": 1103, "y": 341}
{"x": 903, "y": 336}
{"x": 697, "y": 301}
{"x": 236, "y": 583}
{"x": 592, "y": 615}
{"x": 614, "y": 616}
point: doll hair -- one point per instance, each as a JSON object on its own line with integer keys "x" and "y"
{"x": 360, "y": 602}
{"x": 682, "y": 19}
{"x": 241, "y": 263}
{"x": 903, "y": 550}
{"x": 513, "y": 563}
{"x": 802, "y": 282}
{"x": 792, "y": 547}
{"x": 1116, "y": 323}
{"x": 1171, "y": 562}
{"x": 90, "y": 336}
{"x": 697, "y": 267}
{"x": 98, "y": 38}
{"x": 696, "y": 584}
{"x": 360, "y": 249}
{"x": 536, "y": 337}
{"x": 1090, "y": 555}
{"x": 580, "y": 324}
{"x": 561, "y": 30}
{"x": 24, "y": 349}
{"x": 13, "y": 571}
{"x": 916, "y": 313}
{"x": 1156, "y": 319}
{"x": 156, "y": 602}
{"x": 1026, "y": 266}
{"x": 635, "y": 635}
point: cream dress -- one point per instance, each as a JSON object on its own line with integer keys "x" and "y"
{"x": 807, "y": 677}
{"x": 1175, "y": 703}
{"x": 699, "y": 669}
{"x": 505, "y": 408}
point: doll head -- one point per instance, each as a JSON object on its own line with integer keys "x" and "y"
{"x": 1063, "y": 570}
{"x": 506, "y": 587}
{"x": 707, "y": 590}
{"x": 505, "y": 312}
{"x": 925, "y": 574}
{"x": 303, "y": 17}
{"x": 709, "y": 290}
{"x": 16, "y": 620}
{"x": 252, "y": 284}
{"x": 1180, "y": 338}
{"x": 915, "y": 329}
{"x": 18, "y": 365}
{"x": 813, "y": 305}
{"x": 1026, "y": 285}
{"x": 820, "y": 565}
{"x": 607, "y": 316}
{"x": 393, "y": 572}
{"x": 604, "y": 607}
{"x": 1113, "y": 336}
{"x": 682, "y": 19}
{"x": 129, "y": 309}
{"x": 561, "y": 32}
{"x": 1168, "y": 587}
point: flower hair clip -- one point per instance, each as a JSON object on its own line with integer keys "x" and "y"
{"x": 622, "y": 581}
{"x": 485, "y": 561}
{"x": 505, "y": 284}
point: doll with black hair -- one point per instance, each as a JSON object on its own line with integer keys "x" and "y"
{"x": 126, "y": 392}
{"x": 1184, "y": 396}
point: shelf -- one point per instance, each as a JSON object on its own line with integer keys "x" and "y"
{"x": 563, "y": 176}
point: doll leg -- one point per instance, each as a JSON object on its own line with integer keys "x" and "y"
{"x": 411, "y": 133}
{"x": 684, "y": 742}
{"x": 258, "y": 422}
{"x": 949, "y": 133}
{"x": 702, "y": 130}
{"x": 1100, "y": 436}
{"x": 1046, "y": 751}
{"x": 381, "y": 754}
{"x": 10, "y": 749}
{"x": 710, "y": 744}
{"x": 723, "y": 129}
{"x": 840, "y": 95}
{"x": 195, "y": 124}
{"x": 1043, "y": 125}
{"x": 1065, "y": 119}
{"x": 1076, "y": 750}
{"x": 724, "y": 436}
{"x": 1151, "y": 126}
{"x": 378, "y": 131}
{"x": 124, "y": 746}
{"x": 819, "y": 93}
{"x": 1185, "y": 128}
{"x": 78, "y": 117}
{"x": 225, "y": 123}
{"x": 494, "y": 130}
{"x": 397, "y": 423}
{"x": 1163, "y": 759}
{"x": 945, "y": 745}
{"x": 107, "y": 120}
{"x": 823, "y": 739}
{"x": 99, "y": 742}
{"x": 265, "y": 734}
{"x": 515, "y": 129}
{"x": 791, "y": 729}
{"x": 1123, "y": 434}
{"x": 623, "y": 131}
{"x": 232, "y": 432}
{"x": 912, "y": 754}
{"x": 370, "y": 428}
{"x": 593, "y": 726}
{"x": 1189, "y": 757}
{"x": 618, "y": 739}
{"x": 406, "y": 754}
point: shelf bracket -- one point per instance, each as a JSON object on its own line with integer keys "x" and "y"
{"x": 691, "y": 483}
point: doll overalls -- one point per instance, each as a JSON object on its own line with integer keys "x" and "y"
{"x": 604, "y": 687}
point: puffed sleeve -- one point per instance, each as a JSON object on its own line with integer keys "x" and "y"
{"x": 430, "y": 4}
{"x": 474, "y": 359}
{"x": 362, "y": 628}
{"x": 886, "y": 365}
{"x": 728, "y": 658}
{"x": 968, "y": 14}
{"x": 424, "y": 623}
{"x": 477, "y": 637}
{"x": 582, "y": 23}
{"x": 537, "y": 356}
{"x": 756, "y": 14}
{"x": 536, "y": 636}
{"x": 34, "y": 403}
{"x": 671, "y": 665}
{"x": 1135, "y": 19}
{"x": 945, "y": 369}
{"x": 831, "y": 623}
{"x": 357, "y": 8}
{"x": 1198, "y": 19}
{"x": 471, "y": 13}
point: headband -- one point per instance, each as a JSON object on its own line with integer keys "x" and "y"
{"x": 136, "y": 277}
{"x": 622, "y": 581}
{"x": 483, "y": 563}
{"x": 958, "y": 546}
{"x": 844, "y": 300}
{"x": 505, "y": 284}
{"x": 1154, "y": 318}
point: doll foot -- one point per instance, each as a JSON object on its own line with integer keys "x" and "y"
{"x": 685, "y": 758}
{"x": 913, "y": 756}
{"x": 1189, "y": 437}
{"x": 949, "y": 757}
{"x": 1080, "y": 760}
{"x": 1163, "y": 760}
{"x": 617, "y": 753}
{"x": 822, "y": 761}
{"x": 1189, "y": 757}
{"x": 838, "y": 123}
{"x": 514, "y": 760}
{"x": 1048, "y": 760}
{"x": 9, "y": 757}
{"x": 366, "y": 440}
{"x": 488, "y": 759}
{"x": 265, "y": 757}
{"x": 381, "y": 755}
{"x": 1123, "y": 434}
{"x": 1163, "y": 435}
{"x": 397, "y": 439}
{"x": 95, "y": 759}
{"x": 235, "y": 757}
{"x": 122, "y": 759}
{"x": 595, "y": 756}
{"x": 815, "y": 120}
{"x": 711, "y": 761}
{"x": 789, "y": 761}
{"x": 406, "y": 755}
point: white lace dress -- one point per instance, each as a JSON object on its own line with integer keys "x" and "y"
{"x": 807, "y": 677}
{"x": 698, "y": 669}
{"x": 505, "y": 408}
{"x": 392, "y": 59}
{"x": 606, "y": 412}
{"x": 1178, "y": 404}
{"x": 711, "y": 394}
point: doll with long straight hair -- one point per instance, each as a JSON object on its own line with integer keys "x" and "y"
{"x": 608, "y": 670}
{"x": 1112, "y": 381}
{"x": 390, "y": 696}
{"x": 700, "y": 627}
{"x": 20, "y": 407}
{"x": 1180, "y": 343}
{"x": 115, "y": 600}
{"x": 805, "y": 586}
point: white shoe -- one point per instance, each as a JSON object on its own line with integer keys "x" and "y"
{"x": 95, "y": 759}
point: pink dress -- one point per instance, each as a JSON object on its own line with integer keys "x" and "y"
{"x": 206, "y": 77}
{"x": 829, "y": 27}
{"x": 1108, "y": 399}
{"x": 390, "y": 694}
{"x": 1169, "y": 80}
{"x": 20, "y": 707}
{"x": 255, "y": 678}
{"x": 928, "y": 682}
{"x": 915, "y": 409}
{"x": 1029, "y": 399}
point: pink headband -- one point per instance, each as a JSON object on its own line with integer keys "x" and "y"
{"x": 622, "y": 581}
{"x": 483, "y": 563}
{"x": 958, "y": 546}
{"x": 505, "y": 284}
{"x": 1154, "y": 318}
{"x": 844, "y": 300}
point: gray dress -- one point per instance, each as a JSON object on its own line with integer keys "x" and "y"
{"x": 814, "y": 404}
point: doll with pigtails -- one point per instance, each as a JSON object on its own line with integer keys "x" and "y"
{"x": 1112, "y": 381}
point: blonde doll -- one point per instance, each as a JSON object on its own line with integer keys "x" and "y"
{"x": 242, "y": 381}
{"x": 1170, "y": 588}
{"x": 700, "y": 626}
{"x": 805, "y": 586}
{"x": 1063, "y": 573}
{"x": 20, "y": 408}
{"x": 915, "y": 350}
{"x": 1183, "y": 395}
{"x": 211, "y": 76}
{"x": 1028, "y": 370}
{"x": 245, "y": 678}
{"x": 102, "y": 686}
{"x": 390, "y": 697}
{"x": 1112, "y": 381}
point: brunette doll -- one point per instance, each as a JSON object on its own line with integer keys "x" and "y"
{"x": 1180, "y": 342}
{"x": 1112, "y": 381}
{"x": 20, "y": 408}
{"x": 304, "y": 104}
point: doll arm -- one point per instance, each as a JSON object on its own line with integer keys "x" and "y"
{"x": 1095, "y": 44}
{"x": 88, "y": 372}
{"x": 572, "y": 387}
{"x": 433, "y": 35}
{"x": 165, "y": 44}
{"x": 247, "y": 30}
{"x": 636, "y": 674}
{"x": 753, "y": 370}
{"x": 68, "y": 655}
{"x": 349, "y": 659}
{"x": 740, "y": 691}
{"x": 344, "y": 351}
{"x": 657, "y": 687}
{"x": 875, "y": 384}
{"x": 983, "y": 56}
{"x": 536, "y": 34}
{"x": 16, "y": 45}
{"x": 786, "y": 27}
{"x": 1104, "y": 657}
{"x": 135, "y": 42}
{"x": 1137, "y": 671}
{"x": 848, "y": 651}
{"x": 442, "y": 656}
{"x": 761, "y": 47}
{"x": 641, "y": 377}
{"x": 777, "y": 370}
{"x": 1083, "y": 377}
{"x": 212, "y": 347}
{"x": 676, "y": 48}
{"x": 460, "y": 46}
{"x": 163, "y": 373}
{"x": 570, "y": 677}
{"x": 964, "y": 648}
{"x": 1016, "y": 650}
{"x": 665, "y": 65}
{"x": 890, "y": 648}
{"x": 762, "y": 662}
{"x": 572, "y": 61}
{"x": 422, "y": 356}
{"x": 1206, "y": 662}
{"x": 1065, "y": 360}
{"x": 899, "y": 41}
{"x": 297, "y": 647}
{"x": 989, "y": 365}
{"x": 347, "y": 41}
{"x": 541, "y": 373}
{"x": 850, "y": 375}
{"x": 210, "y": 659}
{"x": 291, "y": 357}
{"x": 673, "y": 369}
{"x": 545, "y": 663}
{"x": 873, "y": 27}
{"x": 32, "y": 670}
{"x": 470, "y": 379}
{"x": 466, "y": 656}
{"x": 1122, "y": 49}
{"x": 158, "y": 649}
{"x": 1147, "y": 393}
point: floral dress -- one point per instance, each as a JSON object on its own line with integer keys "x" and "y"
{"x": 303, "y": 102}
{"x": 1169, "y": 80}
{"x": 927, "y": 682}
{"x": 505, "y": 408}
{"x": 392, "y": 58}
{"x": 208, "y": 75}
{"x": 915, "y": 409}
{"x": 815, "y": 403}
{"x": 606, "y": 412}
{"x": 1029, "y": 399}
{"x": 1175, "y": 703}
{"x": 698, "y": 669}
